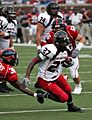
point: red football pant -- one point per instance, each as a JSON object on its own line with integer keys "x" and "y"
{"x": 60, "y": 87}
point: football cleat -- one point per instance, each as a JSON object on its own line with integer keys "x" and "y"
{"x": 73, "y": 108}
{"x": 3, "y": 90}
{"x": 40, "y": 96}
{"x": 77, "y": 89}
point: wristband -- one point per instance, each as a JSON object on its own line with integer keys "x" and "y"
{"x": 38, "y": 47}
{"x": 6, "y": 34}
{"x": 79, "y": 46}
{"x": 35, "y": 94}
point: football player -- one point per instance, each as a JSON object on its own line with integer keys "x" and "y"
{"x": 45, "y": 21}
{"x": 7, "y": 34}
{"x": 73, "y": 49}
{"x": 8, "y": 59}
{"x": 44, "y": 25}
{"x": 49, "y": 78}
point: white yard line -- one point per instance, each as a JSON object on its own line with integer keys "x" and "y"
{"x": 23, "y": 44}
{"x": 15, "y": 95}
{"x": 35, "y": 111}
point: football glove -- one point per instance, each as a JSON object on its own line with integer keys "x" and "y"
{"x": 68, "y": 62}
{"x": 25, "y": 82}
{"x": 12, "y": 34}
{"x": 75, "y": 53}
{"x": 40, "y": 96}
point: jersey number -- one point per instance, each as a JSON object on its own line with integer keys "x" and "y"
{"x": 54, "y": 66}
{"x": 42, "y": 20}
{"x": 46, "y": 51}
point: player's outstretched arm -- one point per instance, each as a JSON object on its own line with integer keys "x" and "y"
{"x": 39, "y": 96}
{"x": 22, "y": 88}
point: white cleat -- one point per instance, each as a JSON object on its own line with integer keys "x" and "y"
{"x": 77, "y": 90}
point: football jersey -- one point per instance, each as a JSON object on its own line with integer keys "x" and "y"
{"x": 34, "y": 19}
{"x": 72, "y": 34}
{"x": 49, "y": 67}
{"x": 12, "y": 27}
{"x": 47, "y": 20}
{"x": 7, "y": 72}
{"x": 3, "y": 24}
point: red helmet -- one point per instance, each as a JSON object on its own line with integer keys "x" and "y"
{"x": 9, "y": 56}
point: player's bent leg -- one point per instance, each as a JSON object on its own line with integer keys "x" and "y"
{"x": 78, "y": 87}
{"x": 63, "y": 84}
{"x": 75, "y": 76}
{"x": 53, "y": 88}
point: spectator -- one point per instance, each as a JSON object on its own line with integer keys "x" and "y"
{"x": 25, "y": 27}
{"x": 33, "y": 17}
{"x": 75, "y": 17}
{"x": 85, "y": 28}
{"x": 42, "y": 9}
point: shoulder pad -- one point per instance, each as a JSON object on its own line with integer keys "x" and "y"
{"x": 48, "y": 51}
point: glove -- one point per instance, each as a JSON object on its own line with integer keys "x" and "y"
{"x": 40, "y": 96}
{"x": 68, "y": 62}
{"x": 75, "y": 53}
{"x": 12, "y": 34}
{"x": 26, "y": 82}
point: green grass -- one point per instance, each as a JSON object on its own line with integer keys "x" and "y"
{"x": 24, "y": 107}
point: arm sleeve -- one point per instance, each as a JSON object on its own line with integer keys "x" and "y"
{"x": 47, "y": 51}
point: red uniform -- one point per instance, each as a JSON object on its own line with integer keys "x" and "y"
{"x": 7, "y": 72}
{"x": 72, "y": 34}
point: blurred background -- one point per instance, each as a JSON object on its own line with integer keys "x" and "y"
{"x": 27, "y": 12}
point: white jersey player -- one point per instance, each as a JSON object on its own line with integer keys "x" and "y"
{"x": 49, "y": 69}
{"x": 7, "y": 27}
{"x": 45, "y": 21}
{"x": 49, "y": 79}
{"x": 52, "y": 56}
{"x": 3, "y": 32}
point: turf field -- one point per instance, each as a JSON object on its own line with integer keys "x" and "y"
{"x": 17, "y": 106}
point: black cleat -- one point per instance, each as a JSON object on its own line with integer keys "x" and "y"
{"x": 73, "y": 108}
{"x": 4, "y": 85}
{"x": 3, "y": 90}
{"x": 40, "y": 96}
{"x": 8, "y": 88}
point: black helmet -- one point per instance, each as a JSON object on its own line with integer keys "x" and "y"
{"x": 61, "y": 39}
{"x": 58, "y": 25}
{"x": 9, "y": 56}
{"x": 52, "y": 6}
{"x": 8, "y": 12}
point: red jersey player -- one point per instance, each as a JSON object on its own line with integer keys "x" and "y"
{"x": 8, "y": 58}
